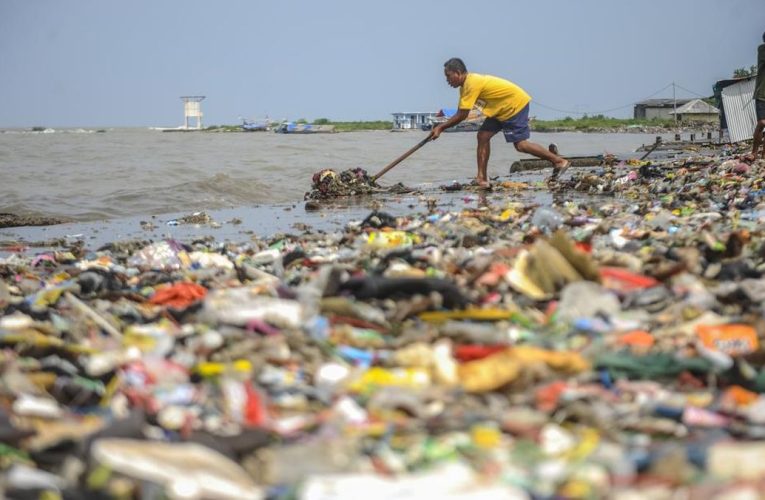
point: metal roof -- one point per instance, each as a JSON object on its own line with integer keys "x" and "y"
{"x": 739, "y": 109}
{"x": 696, "y": 106}
{"x": 721, "y": 84}
{"x": 662, "y": 103}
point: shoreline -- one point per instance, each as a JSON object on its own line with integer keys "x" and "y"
{"x": 242, "y": 223}
{"x": 36, "y": 217}
{"x": 235, "y": 129}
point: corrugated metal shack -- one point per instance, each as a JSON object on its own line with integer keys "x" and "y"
{"x": 736, "y": 99}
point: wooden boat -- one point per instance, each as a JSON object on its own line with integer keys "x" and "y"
{"x": 256, "y": 126}
{"x": 303, "y": 128}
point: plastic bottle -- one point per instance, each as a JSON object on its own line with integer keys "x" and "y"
{"x": 546, "y": 219}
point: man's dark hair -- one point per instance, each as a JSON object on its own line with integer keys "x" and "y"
{"x": 455, "y": 64}
{"x": 763, "y": 37}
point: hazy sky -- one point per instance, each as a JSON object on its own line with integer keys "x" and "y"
{"x": 125, "y": 63}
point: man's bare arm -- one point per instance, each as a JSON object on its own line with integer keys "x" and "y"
{"x": 457, "y": 117}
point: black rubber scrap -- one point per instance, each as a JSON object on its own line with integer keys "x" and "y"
{"x": 377, "y": 287}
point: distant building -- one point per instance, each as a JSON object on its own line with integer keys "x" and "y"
{"x": 736, "y": 99}
{"x": 192, "y": 110}
{"x": 446, "y": 113}
{"x": 696, "y": 111}
{"x": 425, "y": 120}
{"x": 412, "y": 120}
{"x": 657, "y": 108}
{"x": 472, "y": 123}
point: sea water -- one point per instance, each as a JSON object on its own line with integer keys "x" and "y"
{"x": 87, "y": 175}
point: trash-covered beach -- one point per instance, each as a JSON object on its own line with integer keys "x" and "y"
{"x": 606, "y": 344}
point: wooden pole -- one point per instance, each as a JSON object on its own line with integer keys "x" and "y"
{"x": 401, "y": 158}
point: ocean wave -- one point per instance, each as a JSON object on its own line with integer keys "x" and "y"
{"x": 214, "y": 192}
{"x": 210, "y": 193}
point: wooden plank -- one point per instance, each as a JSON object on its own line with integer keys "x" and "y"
{"x": 536, "y": 164}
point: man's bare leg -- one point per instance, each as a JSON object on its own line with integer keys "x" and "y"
{"x": 532, "y": 148}
{"x": 483, "y": 151}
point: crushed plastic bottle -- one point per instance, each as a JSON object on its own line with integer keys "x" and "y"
{"x": 547, "y": 219}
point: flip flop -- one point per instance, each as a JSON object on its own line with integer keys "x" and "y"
{"x": 481, "y": 186}
{"x": 474, "y": 184}
{"x": 557, "y": 171}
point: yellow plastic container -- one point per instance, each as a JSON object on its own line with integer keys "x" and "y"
{"x": 392, "y": 239}
{"x": 486, "y": 436}
{"x": 212, "y": 369}
{"x": 413, "y": 378}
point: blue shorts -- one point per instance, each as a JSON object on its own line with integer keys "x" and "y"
{"x": 515, "y": 129}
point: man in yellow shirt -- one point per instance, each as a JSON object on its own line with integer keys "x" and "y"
{"x": 506, "y": 107}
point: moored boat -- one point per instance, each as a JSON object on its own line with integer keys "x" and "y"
{"x": 256, "y": 126}
{"x": 303, "y": 128}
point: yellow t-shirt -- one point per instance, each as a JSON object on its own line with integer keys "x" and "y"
{"x": 495, "y": 97}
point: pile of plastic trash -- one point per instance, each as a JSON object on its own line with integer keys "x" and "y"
{"x": 327, "y": 183}
{"x": 607, "y": 349}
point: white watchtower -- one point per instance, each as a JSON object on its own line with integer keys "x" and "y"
{"x": 192, "y": 109}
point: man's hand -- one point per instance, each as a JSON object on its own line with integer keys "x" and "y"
{"x": 460, "y": 115}
{"x": 436, "y": 132}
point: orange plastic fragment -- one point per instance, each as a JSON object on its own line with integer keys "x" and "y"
{"x": 739, "y": 396}
{"x": 622, "y": 280}
{"x": 733, "y": 339}
{"x": 494, "y": 274}
{"x": 547, "y": 396}
{"x": 636, "y": 338}
{"x": 178, "y": 295}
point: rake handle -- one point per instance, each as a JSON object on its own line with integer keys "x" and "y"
{"x": 401, "y": 158}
